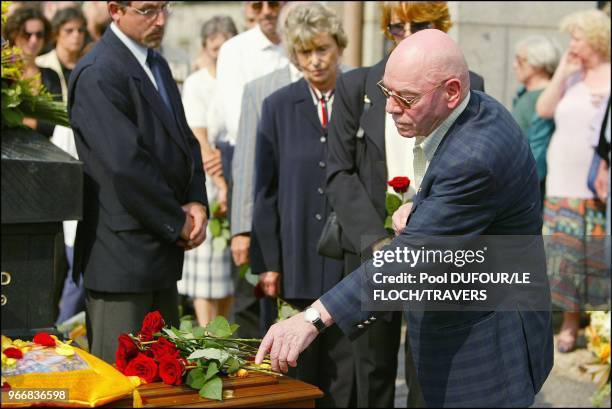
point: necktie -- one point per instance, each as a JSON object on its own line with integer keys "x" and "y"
{"x": 420, "y": 162}
{"x": 153, "y": 59}
{"x": 324, "y": 117}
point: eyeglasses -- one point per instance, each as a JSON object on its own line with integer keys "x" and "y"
{"x": 37, "y": 34}
{"x": 406, "y": 102}
{"x": 399, "y": 30}
{"x": 152, "y": 13}
{"x": 258, "y": 5}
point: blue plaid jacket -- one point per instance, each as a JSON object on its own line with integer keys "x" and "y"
{"x": 482, "y": 180}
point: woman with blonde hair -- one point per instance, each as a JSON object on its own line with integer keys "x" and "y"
{"x": 572, "y": 213}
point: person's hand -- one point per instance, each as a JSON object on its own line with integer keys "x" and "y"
{"x": 602, "y": 181}
{"x": 197, "y": 212}
{"x": 185, "y": 232}
{"x": 400, "y": 217}
{"x": 270, "y": 283}
{"x": 222, "y": 200}
{"x": 240, "y": 248}
{"x": 212, "y": 162}
{"x": 570, "y": 63}
{"x": 285, "y": 341}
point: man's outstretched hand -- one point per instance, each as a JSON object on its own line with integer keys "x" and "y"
{"x": 286, "y": 340}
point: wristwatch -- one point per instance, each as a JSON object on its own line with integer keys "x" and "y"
{"x": 313, "y": 316}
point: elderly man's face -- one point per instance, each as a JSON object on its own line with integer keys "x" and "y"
{"x": 142, "y": 21}
{"x": 428, "y": 108}
{"x": 319, "y": 62}
{"x": 267, "y": 15}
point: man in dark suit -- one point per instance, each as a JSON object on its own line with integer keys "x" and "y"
{"x": 145, "y": 199}
{"x": 356, "y": 184}
{"x": 476, "y": 176}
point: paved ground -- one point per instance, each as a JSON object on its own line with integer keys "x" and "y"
{"x": 566, "y": 386}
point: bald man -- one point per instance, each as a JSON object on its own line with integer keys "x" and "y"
{"x": 475, "y": 176}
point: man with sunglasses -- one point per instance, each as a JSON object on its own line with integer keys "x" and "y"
{"x": 248, "y": 56}
{"x": 144, "y": 194}
{"x": 477, "y": 177}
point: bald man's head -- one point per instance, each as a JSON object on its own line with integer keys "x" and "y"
{"x": 430, "y": 67}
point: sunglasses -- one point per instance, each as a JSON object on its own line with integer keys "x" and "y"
{"x": 405, "y": 102}
{"x": 37, "y": 34}
{"x": 399, "y": 30}
{"x": 258, "y": 5}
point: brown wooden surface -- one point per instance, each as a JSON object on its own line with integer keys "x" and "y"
{"x": 256, "y": 390}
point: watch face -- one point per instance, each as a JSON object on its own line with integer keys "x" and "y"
{"x": 311, "y": 314}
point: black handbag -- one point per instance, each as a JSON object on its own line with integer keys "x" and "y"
{"x": 329, "y": 242}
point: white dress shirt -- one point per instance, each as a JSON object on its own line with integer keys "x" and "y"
{"x": 139, "y": 51}
{"x": 398, "y": 151}
{"x": 243, "y": 58}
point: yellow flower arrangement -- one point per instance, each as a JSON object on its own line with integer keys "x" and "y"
{"x": 598, "y": 338}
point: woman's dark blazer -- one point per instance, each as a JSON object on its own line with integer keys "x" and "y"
{"x": 290, "y": 203}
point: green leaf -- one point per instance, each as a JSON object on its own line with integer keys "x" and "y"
{"x": 214, "y": 208}
{"x": 219, "y": 244}
{"x": 171, "y": 332}
{"x": 209, "y": 353}
{"x": 251, "y": 278}
{"x": 388, "y": 222}
{"x": 212, "y": 389}
{"x": 219, "y": 327}
{"x": 234, "y": 328}
{"x": 213, "y": 369}
{"x": 199, "y": 332}
{"x": 226, "y": 233}
{"x": 196, "y": 378}
{"x": 243, "y": 269}
{"x": 392, "y": 203}
{"x": 233, "y": 365}
{"x": 215, "y": 227}
{"x": 186, "y": 325}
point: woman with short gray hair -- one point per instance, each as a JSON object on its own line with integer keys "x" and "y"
{"x": 535, "y": 62}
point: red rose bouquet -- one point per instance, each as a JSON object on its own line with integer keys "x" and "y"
{"x": 196, "y": 356}
{"x": 400, "y": 185}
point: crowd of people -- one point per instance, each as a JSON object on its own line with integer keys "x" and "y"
{"x": 288, "y": 139}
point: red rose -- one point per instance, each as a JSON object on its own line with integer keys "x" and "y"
{"x": 145, "y": 335}
{"x": 6, "y": 387}
{"x": 143, "y": 367}
{"x": 13, "y": 353}
{"x": 400, "y": 184}
{"x": 153, "y": 322}
{"x": 163, "y": 348}
{"x": 171, "y": 370}
{"x": 126, "y": 351}
{"x": 44, "y": 339}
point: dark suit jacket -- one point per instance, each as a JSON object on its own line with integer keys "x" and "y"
{"x": 357, "y": 168}
{"x": 290, "y": 204}
{"x": 482, "y": 180}
{"x": 52, "y": 83}
{"x": 141, "y": 163}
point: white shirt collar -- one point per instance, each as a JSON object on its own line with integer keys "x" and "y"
{"x": 139, "y": 51}
{"x": 430, "y": 143}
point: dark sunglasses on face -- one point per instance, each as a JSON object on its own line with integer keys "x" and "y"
{"x": 37, "y": 34}
{"x": 398, "y": 29}
{"x": 258, "y": 5}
